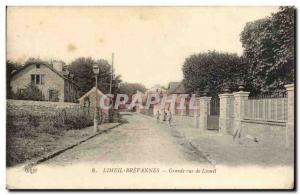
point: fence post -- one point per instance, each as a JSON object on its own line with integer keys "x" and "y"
{"x": 239, "y": 108}
{"x": 204, "y": 104}
{"x": 226, "y": 111}
{"x": 290, "y": 116}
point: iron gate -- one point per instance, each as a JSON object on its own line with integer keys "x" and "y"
{"x": 213, "y": 114}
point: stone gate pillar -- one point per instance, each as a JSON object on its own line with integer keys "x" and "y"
{"x": 239, "y": 107}
{"x": 204, "y": 105}
{"x": 197, "y": 113}
{"x": 290, "y": 116}
{"x": 226, "y": 119}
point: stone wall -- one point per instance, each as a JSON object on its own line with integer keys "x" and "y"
{"x": 184, "y": 121}
{"x": 37, "y": 107}
{"x": 260, "y": 127}
{"x": 264, "y": 131}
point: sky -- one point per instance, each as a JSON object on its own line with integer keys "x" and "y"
{"x": 150, "y": 44}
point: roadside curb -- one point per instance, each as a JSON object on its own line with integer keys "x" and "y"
{"x": 56, "y": 153}
{"x": 203, "y": 153}
{"x": 210, "y": 160}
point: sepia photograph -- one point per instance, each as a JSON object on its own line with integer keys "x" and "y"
{"x": 150, "y": 97}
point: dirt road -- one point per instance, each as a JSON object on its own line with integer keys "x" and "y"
{"x": 140, "y": 140}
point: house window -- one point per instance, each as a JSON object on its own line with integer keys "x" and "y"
{"x": 38, "y": 66}
{"x": 38, "y": 79}
{"x": 33, "y": 79}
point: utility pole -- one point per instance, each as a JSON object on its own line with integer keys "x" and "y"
{"x": 110, "y": 88}
{"x": 112, "y": 73}
{"x": 96, "y": 72}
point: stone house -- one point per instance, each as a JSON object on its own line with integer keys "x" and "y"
{"x": 56, "y": 85}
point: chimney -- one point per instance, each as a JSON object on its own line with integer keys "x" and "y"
{"x": 66, "y": 72}
{"x": 57, "y": 65}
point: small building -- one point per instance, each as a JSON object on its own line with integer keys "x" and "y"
{"x": 88, "y": 100}
{"x": 156, "y": 89}
{"x": 56, "y": 85}
{"x": 178, "y": 89}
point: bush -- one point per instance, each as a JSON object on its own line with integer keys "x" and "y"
{"x": 31, "y": 92}
{"x": 78, "y": 118}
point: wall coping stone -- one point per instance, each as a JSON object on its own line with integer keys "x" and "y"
{"x": 241, "y": 93}
{"x": 205, "y": 98}
{"x": 226, "y": 95}
{"x": 264, "y": 122}
{"x": 289, "y": 87}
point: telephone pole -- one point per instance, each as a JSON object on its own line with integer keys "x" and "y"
{"x": 112, "y": 73}
{"x": 111, "y": 114}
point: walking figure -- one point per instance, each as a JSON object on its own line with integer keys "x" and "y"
{"x": 164, "y": 116}
{"x": 157, "y": 115}
{"x": 169, "y": 117}
{"x": 237, "y": 133}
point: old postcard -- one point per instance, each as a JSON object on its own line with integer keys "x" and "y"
{"x": 150, "y": 97}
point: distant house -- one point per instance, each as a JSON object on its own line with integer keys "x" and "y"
{"x": 55, "y": 84}
{"x": 156, "y": 89}
{"x": 159, "y": 91}
{"x": 177, "y": 88}
{"x": 135, "y": 97}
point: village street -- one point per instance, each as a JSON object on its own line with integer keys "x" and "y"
{"x": 143, "y": 143}
{"x": 157, "y": 97}
{"x": 141, "y": 140}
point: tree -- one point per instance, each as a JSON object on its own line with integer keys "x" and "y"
{"x": 35, "y": 61}
{"x": 269, "y": 50}
{"x": 211, "y": 71}
{"x": 131, "y": 88}
{"x": 82, "y": 68}
{"x": 10, "y": 68}
{"x": 31, "y": 92}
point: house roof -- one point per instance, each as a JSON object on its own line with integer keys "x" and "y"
{"x": 155, "y": 88}
{"x": 48, "y": 66}
{"x": 90, "y": 92}
{"x": 137, "y": 92}
{"x": 176, "y": 88}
